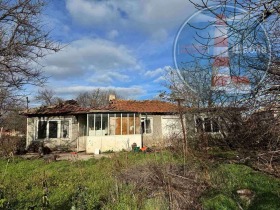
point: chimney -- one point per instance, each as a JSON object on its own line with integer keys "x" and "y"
{"x": 112, "y": 97}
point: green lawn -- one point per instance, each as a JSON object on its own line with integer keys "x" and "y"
{"x": 95, "y": 184}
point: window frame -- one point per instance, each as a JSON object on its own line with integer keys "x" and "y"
{"x": 205, "y": 119}
{"x": 122, "y": 121}
{"x": 59, "y": 128}
{"x": 144, "y": 119}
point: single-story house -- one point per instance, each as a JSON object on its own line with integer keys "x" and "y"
{"x": 115, "y": 127}
{"x": 123, "y": 123}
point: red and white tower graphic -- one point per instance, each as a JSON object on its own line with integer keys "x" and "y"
{"x": 222, "y": 79}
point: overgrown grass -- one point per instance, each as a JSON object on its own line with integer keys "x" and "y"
{"x": 94, "y": 184}
{"x": 22, "y": 181}
{"x": 226, "y": 179}
{"x": 220, "y": 153}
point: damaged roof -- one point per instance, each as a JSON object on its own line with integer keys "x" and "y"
{"x": 66, "y": 107}
{"x": 72, "y": 107}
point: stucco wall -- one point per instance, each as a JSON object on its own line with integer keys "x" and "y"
{"x": 171, "y": 126}
{"x": 32, "y": 132}
{"x": 164, "y": 128}
{"x": 82, "y": 124}
{"x": 154, "y": 138}
{"x": 114, "y": 142}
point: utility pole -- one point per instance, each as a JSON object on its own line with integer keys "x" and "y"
{"x": 27, "y": 102}
{"x": 181, "y": 114}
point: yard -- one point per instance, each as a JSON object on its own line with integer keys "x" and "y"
{"x": 156, "y": 180}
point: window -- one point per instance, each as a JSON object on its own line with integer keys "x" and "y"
{"x": 207, "y": 125}
{"x": 105, "y": 124}
{"x": 131, "y": 123}
{"x": 137, "y": 124}
{"x": 118, "y": 124}
{"x": 124, "y": 124}
{"x": 215, "y": 125}
{"x": 65, "y": 129}
{"x": 199, "y": 124}
{"x": 146, "y": 125}
{"x": 113, "y": 124}
{"x": 53, "y": 129}
{"x": 97, "y": 124}
{"x": 42, "y": 129}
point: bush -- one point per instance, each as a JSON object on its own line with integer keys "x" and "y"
{"x": 259, "y": 132}
{"x": 38, "y": 147}
{"x": 12, "y": 144}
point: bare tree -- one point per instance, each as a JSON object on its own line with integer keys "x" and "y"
{"x": 239, "y": 26}
{"x": 12, "y": 120}
{"x": 23, "y": 42}
{"x": 181, "y": 89}
{"x": 47, "y": 97}
{"x": 251, "y": 118}
{"x": 263, "y": 15}
{"x": 251, "y": 23}
{"x": 9, "y": 100}
{"x": 96, "y": 98}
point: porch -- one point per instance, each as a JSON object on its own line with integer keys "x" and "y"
{"x": 109, "y": 131}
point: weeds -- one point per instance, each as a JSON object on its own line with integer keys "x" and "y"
{"x": 157, "y": 180}
{"x": 227, "y": 179}
{"x": 166, "y": 182}
{"x": 11, "y": 145}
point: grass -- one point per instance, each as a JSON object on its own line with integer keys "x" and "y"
{"x": 22, "y": 181}
{"x": 225, "y": 154}
{"x": 93, "y": 184}
{"x": 226, "y": 179}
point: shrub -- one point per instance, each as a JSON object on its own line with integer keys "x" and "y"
{"x": 38, "y": 147}
{"x": 11, "y": 144}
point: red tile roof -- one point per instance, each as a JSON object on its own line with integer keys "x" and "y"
{"x": 72, "y": 107}
{"x": 147, "y": 106}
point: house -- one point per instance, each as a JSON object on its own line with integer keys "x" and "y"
{"x": 115, "y": 127}
{"x": 123, "y": 123}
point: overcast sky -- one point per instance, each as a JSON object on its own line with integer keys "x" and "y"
{"x": 122, "y": 45}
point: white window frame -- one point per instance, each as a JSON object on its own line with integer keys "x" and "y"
{"x": 123, "y": 116}
{"x": 143, "y": 119}
{"x": 59, "y": 135}
{"x": 203, "y": 124}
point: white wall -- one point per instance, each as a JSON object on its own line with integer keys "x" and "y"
{"x": 111, "y": 142}
{"x": 171, "y": 125}
{"x": 81, "y": 143}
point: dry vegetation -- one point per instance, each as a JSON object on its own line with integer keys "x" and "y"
{"x": 156, "y": 180}
{"x": 170, "y": 182}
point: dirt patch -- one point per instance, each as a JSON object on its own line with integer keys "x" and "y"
{"x": 70, "y": 156}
